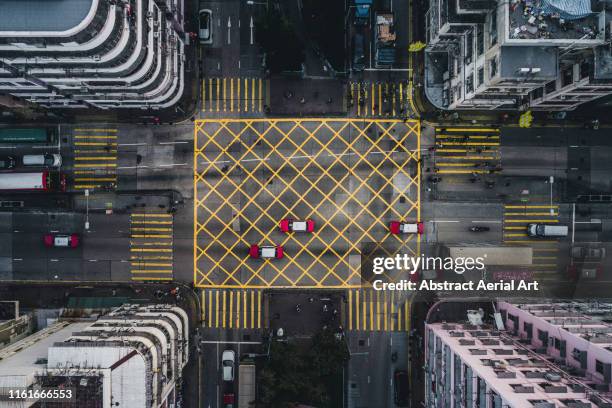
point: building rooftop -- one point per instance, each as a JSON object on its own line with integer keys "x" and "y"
{"x": 520, "y": 376}
{"x": 43, "y": 15}
{"x": 517, "y": 58}
{"x": 20, "y": 358}
{"x": 530, "y": 20}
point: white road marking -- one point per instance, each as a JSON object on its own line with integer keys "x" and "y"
{"x": 132, "y": 144}
{"x": 293, "y": 157}
{"x": 8, "y": 147}
{"x": 17, "y": 259}
{"x": 486, "y": 222}
{"x": 132, "y": 167}
{"x": 171, "y": 143}
{"x": 439, "y": 221}
{"x": 228, "y": 342}
{"x": 172, "y": 165}
{"x": 54, "y": 260}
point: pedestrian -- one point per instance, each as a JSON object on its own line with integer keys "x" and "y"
{"x": 298, "y": 308}
{"x": 310, "y": 299}
{"x": 325, "y": 309}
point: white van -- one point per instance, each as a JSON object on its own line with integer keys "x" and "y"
{"x": 47, "y": 160}
{"x": 546, "y": 230}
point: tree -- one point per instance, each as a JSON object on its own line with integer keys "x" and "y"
{"x": 285, "y": 51}
{"x": 328, "y": 354}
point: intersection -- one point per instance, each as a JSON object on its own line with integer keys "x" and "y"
{"x": 351, "y": 176}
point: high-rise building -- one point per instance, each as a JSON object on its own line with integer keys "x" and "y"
{"x": 131, "y": 357}
{"x": 472, "y": 365}
{"x": 93, "y": 53}
{"x": 517, "y": 54}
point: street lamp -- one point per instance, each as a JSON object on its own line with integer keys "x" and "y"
{"x": 251, "y": 3}
{"x": 87, "y": 209}
{"x": 551, "y": 181}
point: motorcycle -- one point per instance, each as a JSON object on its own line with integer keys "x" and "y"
{"x": 479, "y": 229}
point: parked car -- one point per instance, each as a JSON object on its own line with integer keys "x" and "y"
{"x": 398, "y": 227}
{"x": 588, "y": 253}
{"x": 358, "y": 52}
{"x": 228, "y": 400}
{"x": 228, "y": 358}
{"x": 7, "y": 162}
{"x": 61, "y": 240}
{"x": 289, "y": 225}
{"x": 205, "y": 26}
{"x": 46, "y": 160}
{"x": 400, "y": 388}
{"x": 266, "y": 251}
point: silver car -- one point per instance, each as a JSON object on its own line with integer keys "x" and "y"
{"x": 205, "y": 26}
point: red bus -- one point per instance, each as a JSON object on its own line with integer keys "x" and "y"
{"x": 36, "y": 181}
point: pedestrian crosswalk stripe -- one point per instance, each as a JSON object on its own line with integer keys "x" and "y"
{"x": 371, "y": 310}
{"x": 235, "y": 93}
{"x": 377, "y": 99}
{"x": 96, "y": 156}
{"x": 232, "y": 309}
{"x": 151, "y": 248}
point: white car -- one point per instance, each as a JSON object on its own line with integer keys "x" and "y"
{"x": 227, "y": 363}
{"x": 205, "y": 26}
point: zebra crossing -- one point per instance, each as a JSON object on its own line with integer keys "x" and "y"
{"x": 467, "y": 151}
{"x": 372, "y": 310}
{"x": 95, "y": 158}
{"x": 237, "y": 95}
{"x": 378, "y": 99}
{"x": 151, "y": 246}
{"x": 232, "y": 309}
{"x": 545, "y": 251}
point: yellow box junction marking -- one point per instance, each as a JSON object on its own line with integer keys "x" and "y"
{"x": 151, "y": 246}
{"x": 253, "y": 173}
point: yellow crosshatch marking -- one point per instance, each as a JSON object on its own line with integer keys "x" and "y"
{"x": 352, "y": 177}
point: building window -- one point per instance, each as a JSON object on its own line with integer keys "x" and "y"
{"x": 480, "y": 41}
{"x": 556, "y": 343}
{"x": 599, "y": 367}
{"x": 480, "y": 76}
{"x": 493, "y": 29}
{"x": 567, "y": 77}
{"x": 550, "y": 87}
{"x": 493, "y": 67}
{"x": 528, "y": 329}
{"x": 469, "y": 84}
{"x": 469, "y": 46}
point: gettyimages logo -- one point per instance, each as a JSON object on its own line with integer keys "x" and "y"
{"x": 411, "y": 264}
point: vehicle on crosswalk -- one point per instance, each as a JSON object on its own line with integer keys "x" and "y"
{"x": 266, "y": 251}
{"x": 61, "y": 240}
{"x": 546, "y": 230}
{"x": 205, "y": 26}
{"x": 290, "y": 225}
{"x": 400, "y": 227}
{"x": 228, "y": 358}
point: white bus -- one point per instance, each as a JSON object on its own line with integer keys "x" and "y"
{"x": 36, "y": 181}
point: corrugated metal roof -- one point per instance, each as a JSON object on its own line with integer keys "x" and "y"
{"x": 567, "y": 9}
{"x": 42, "y": 15}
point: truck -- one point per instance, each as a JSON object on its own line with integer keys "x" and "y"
{"x": 385, "y": 40}
{"x": 246, "y": 384}
{"x": 362, "y": 12}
